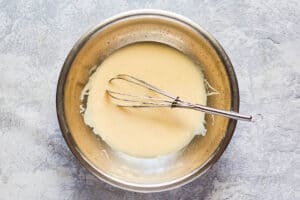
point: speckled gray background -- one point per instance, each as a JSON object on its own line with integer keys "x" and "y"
{"x": 261, "y": 37}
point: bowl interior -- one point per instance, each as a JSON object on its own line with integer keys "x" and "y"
{"x": 134, "y": 173}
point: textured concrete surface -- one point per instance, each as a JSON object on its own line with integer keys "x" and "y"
{"x": 261, "y": 37}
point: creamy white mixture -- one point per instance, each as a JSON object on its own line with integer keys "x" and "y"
{"x": 146, "y": 132}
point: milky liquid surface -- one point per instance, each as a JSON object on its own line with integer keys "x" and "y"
{"x": 146, "y": 132}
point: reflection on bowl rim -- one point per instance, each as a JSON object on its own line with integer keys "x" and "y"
{"x": 77, "y": 152}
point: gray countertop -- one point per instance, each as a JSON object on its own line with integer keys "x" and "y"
{"x": 262, "y": 38}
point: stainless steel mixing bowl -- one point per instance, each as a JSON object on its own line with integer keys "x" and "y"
{"x": 137, "y": 174}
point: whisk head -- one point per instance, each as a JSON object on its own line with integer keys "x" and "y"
{"x": 160, "y": 98}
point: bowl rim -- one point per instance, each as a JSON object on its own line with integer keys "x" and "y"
{"x": 84, "y": 160}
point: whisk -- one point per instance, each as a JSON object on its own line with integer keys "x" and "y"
{"x": 167, "y": 100}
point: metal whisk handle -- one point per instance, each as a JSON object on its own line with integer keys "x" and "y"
{"x": 229, "y": 114}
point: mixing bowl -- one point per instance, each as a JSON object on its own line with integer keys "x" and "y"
{"x": 138, "y": 174}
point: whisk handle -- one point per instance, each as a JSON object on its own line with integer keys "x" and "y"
{"x": 229, "y": 114}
